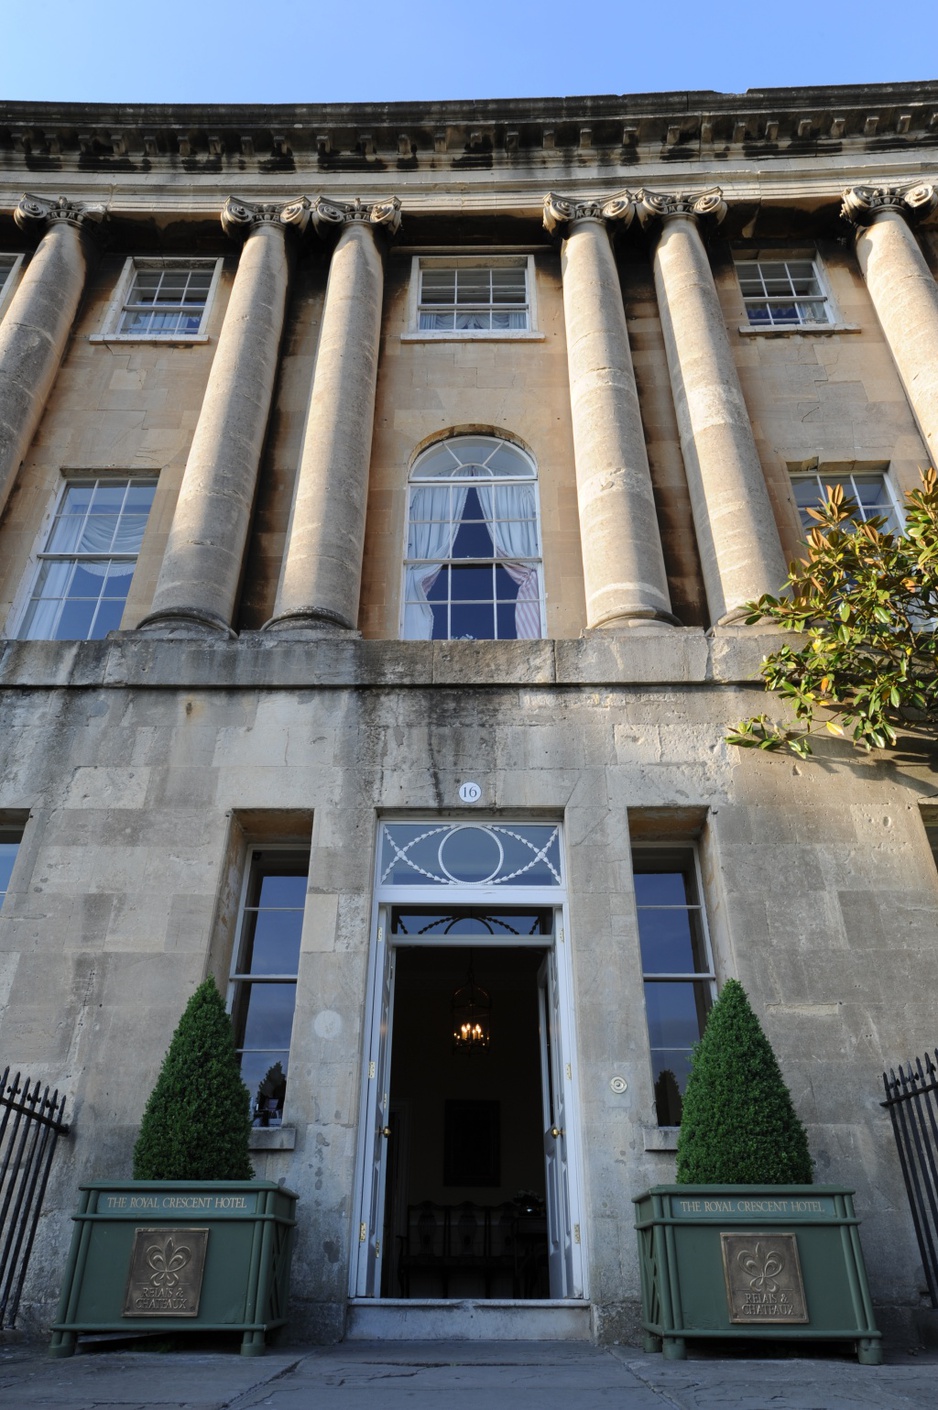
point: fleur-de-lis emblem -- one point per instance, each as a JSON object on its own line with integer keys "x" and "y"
{"x": 762, "y": 1266}
{"x": 167, "y": 1262}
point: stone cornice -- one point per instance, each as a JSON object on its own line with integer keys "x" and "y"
{"x": 334, "y": 215}
{"x": 668, "y": 205}
{"x": 862, "y": 204}
{"x": 35, "y": 214}
{"x": 687, "y": 126}
{"x": 564, "y": 210}
{"x": 239, "y": 218}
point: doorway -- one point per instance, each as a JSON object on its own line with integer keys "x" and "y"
{"x": 465, "y": 1211}
{"x": 468, "y": 1173}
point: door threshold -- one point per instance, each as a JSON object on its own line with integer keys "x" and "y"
{"x": 467, "y": 1319}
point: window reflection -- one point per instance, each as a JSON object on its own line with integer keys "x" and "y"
{"x": 676, "y": 965}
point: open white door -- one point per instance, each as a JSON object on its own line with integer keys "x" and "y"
{"x": 563, "y": 1243}
{"x": 376, "y": 1126}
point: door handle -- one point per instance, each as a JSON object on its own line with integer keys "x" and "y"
{"x": 385, "y": 1130}
{"x": 556, "y": 1131}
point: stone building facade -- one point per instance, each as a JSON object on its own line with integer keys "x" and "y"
{"x": 381, "y": 487}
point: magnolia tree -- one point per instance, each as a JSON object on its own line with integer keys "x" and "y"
{"x": 866, "y": 602}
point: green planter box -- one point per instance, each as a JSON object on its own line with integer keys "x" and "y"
{"x": 748, "y": 1261}
{"x": 167, "y": 1255}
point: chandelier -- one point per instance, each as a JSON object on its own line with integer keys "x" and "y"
{"x": 471, "y": 1007}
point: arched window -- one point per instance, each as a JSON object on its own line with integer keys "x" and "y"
{"x": 473, "y": 566}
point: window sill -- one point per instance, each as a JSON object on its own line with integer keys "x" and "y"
{"x": 661, "y": 1138}
{"x": 475, "y": 335}
{"x": 168, "y": 339}
{"x": 814, "y": 330}
{"x": 272, "y": 1138}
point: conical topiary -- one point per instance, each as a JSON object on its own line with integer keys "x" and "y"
{"x": 197, "y": 1121}
{"x": 739, "y": 1126}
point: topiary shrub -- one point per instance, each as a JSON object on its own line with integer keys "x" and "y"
{"x": 197, "y": 1121}
{"x": 739, "y": 1126}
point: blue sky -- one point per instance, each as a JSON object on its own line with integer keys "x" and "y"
{"x": 366, "y": 50}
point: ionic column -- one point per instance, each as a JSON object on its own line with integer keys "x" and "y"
{"x": 623, "y": 567}
{"x": 198, "y": 582}
{"x": 902, "y": 288}
{"x": 321, "y": 578}
{"x": 740, "y": 552}
{"x": 37, "y": 322}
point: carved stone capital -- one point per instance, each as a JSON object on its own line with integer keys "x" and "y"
{"x": 334, "y": 215}
{"x": 861, "y": 204}
{"x": 239, "y": 218}
{"x": 37, "y": 214}
{"x": 667, "y": 205}
{"x": 563, "y": 210}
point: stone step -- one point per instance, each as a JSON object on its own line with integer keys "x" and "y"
{"x": 470, "y": 1319}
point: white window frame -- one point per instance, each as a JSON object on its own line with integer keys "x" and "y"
{"x": 420, "y": 263}
{"x": 707, "y": 976}
{"x": 416, "y": 482}
{"x": 119, "y": 302}
{"x": 40, "y": 555}
{"x": 824, "y": 479}
{"x": 238, "y": 977}
{"x": 13, "y": 264}
{"x": 824, "y": 296}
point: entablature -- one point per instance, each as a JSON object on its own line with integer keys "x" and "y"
{"x": 597, "y": 132}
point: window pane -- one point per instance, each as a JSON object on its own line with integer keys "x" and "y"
{"x": 74, "y": 624}
{"x": 424, "y": 854}
{"x": 676, "y": 1013}
{"x": 271, "y": 942}
{"x": 471, "y": 584}
{"x": 475, "y": 623}
{"x": 269, "y": 1017}
{"x": 507, "y": 621}
{"x": 473, "y": 320}
{"x": 264, "y": 1074}
{"x": 106, "y": 619}
{"x": 672, "y": 941}
{"x": 8, "y": 851}
{"x": 473, "y": 286}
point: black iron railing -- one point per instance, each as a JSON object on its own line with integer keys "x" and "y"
{"x": 912, "y": 1103}
{"x": 30, "y": 1124}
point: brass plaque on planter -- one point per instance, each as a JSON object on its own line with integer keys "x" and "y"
{"x": 166, "y": 1267}
{"x": 763, "y": 1278}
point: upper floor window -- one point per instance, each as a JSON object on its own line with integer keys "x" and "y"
{"x": 473, "y": 565}
{"x": 262, "y": 987}
{"x": 678, "y": 970}
{"x": 88, "y": 560}
{"x": 163, "y": 298}
{"x": 783, "y": 292}
{"x": 9, "y": 267}
{"x": 870, "y": 492}
{"x": 466, "y": 296}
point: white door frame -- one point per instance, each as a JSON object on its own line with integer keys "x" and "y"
{"x": 365, "y": 1274}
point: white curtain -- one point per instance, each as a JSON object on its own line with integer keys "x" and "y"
{"x": 511, "y": 516}
{"x": 435, "y": 512}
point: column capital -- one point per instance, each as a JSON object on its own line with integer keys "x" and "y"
{"x": 564, "y": 210}
{"x": 335, "y": 215}
{"x": 37, "y": 214}
{"x": 669, "y": 205}
{"x": 239, "y": 218}
{"x": 862, "y": 204}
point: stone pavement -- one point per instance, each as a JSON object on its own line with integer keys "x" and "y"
{"x": 457, "y": 1376}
